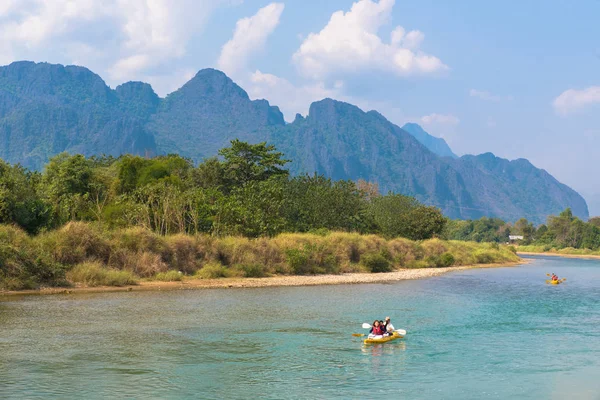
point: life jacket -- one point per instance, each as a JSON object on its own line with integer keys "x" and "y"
{"x": 378, "y": 330}
{"x": 554, "y": 278}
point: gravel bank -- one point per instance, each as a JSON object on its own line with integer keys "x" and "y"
{"x": 288, "y": 280}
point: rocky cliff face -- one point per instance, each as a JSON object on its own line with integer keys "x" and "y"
{"x": 47, "y": 109}
{"x": 434, "y": 144}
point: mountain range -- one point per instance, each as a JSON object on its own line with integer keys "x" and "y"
{"x": 46, "y": 109}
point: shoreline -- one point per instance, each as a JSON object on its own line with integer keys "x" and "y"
{"x": 581, "y": 256}
{"x": 275, "y": 281}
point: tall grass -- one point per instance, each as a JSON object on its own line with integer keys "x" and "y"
{"x": 565, "y": 251}
{"x": 91, "y": 273}
{"x": 85, "y": 251}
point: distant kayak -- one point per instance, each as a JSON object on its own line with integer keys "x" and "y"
{"x": 383, "y": 339}
{"x": 558, "y": 282}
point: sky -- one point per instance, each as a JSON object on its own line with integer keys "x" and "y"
{"x": 520, "y": 79}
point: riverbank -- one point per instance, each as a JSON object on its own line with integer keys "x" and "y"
{"x": 275, "y": 281}
{"x": 563, "y": 255}
{"x": 84, "y": 254}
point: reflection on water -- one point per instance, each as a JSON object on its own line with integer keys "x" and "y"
{"x": 474, "y": 334}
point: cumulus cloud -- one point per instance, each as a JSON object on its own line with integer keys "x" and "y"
{"x": 440, "y": 119}
{"x": 573, "y": 100}
{"x": 350, "y": 42}
{"x": 290, "y": 98}
{"x": 250, "y": 35}
{"x": 485, "y": 95}
{"x": 126, "y": 39}
{"x": 294, "y": 98}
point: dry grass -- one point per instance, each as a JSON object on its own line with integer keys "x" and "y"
{"x": 92, "y": 274}
{"x": 142, "y": 253}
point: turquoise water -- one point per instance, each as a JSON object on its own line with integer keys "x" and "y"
{"x": 478, "y": 334}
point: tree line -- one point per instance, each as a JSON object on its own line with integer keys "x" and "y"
{"x": 246, "y": 191}
{"x": 559, "y": 231}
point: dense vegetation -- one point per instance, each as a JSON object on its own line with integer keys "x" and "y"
{"x": 563, "y": 232}
{"x": 104, "y": 220}
{"x": 248, "y": 192}
{"x": 47, "y": 109}
{"x": 91, "y": 254}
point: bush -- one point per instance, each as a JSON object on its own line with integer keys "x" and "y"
{"x": 23, "y": 265}
{"x": 169, "y": 276}
{"x": 184, "y": 253}
{"x": 144, "y": 264}
{"x": 75, "y": 243}
{"x": 213, "y": 271}
{"x": 92, "y": 273}
{"x": 446, "y": 260}
{"x": 312, "y": 260}
{"x": 376, "y": 262}
{"x": 252, "y": 270}
{"x": 484, "y": 257}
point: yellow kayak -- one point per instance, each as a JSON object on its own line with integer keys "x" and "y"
{"x": 558, "y": 282}
{"x": 384, "y": 339}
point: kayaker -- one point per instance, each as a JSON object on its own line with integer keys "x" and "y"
{"x": 376, "y": 329}
{"x": 554, "y": 277}
{"x": 388, "y": 324}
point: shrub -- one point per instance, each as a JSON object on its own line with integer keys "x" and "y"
{"x": 213, "y": 271}
{"x": 376, "y": 262}
{"x": 23, "y": 265}
{"x": 312, "y": 260}
{"x": 484, "y": 257}
{"x": 75, "y": 243}
{"x": 139, "y": 239}
{"x": 169, "y": 276}
{"x": 446, "y": 259}
{"x": 252, "y": 270}
{"x": 144, "y": 264}
{"x": 184, "y": 254}
{"x": 92, "y": 273}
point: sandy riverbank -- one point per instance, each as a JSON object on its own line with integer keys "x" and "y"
{"x": 583, "y": 256}
{"x": 288, "y": 280}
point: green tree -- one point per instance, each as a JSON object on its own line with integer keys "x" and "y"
{"x": 425, "y": 222}
{"x": 244, "y": 162}
{"x": 66, "y": 184}
{"x": 20, "y": 202}
{"x": 315, "y": 202}
{"x": 252, "y": 210}
{"x": 391, "y": 214}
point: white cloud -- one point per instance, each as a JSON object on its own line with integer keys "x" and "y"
{"x": 250, "y": 35}
{"x": 350, "y": 42}
{"x": 296, "y": 98}
{"x": 485, "y": 95}
{"x": 573, "y": 100}
{"x": 290, "y": 98}
{"x": 119, "y": 39}
{"x": 440, "y": 119}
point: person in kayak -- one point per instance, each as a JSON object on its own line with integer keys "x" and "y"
{"x": 376, "y": 329}
{"x": 554, "y": 277}
{"x": 388, "y": 324}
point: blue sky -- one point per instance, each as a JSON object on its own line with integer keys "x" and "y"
{"x": 517, "y": 78}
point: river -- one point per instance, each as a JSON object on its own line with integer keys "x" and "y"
{"x": 485, "y": 333}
